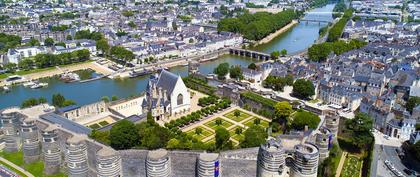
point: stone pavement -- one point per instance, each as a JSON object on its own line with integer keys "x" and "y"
{"x": 341, "y": 164}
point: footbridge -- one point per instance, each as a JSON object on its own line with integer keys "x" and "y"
{"x": 250, "y": 53}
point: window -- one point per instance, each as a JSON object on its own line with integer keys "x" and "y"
{"x": 180, "y": 99}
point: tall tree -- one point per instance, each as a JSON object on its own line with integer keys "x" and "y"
{"x": 221, "y": 70}
{"x": 254, "y": 136}
{"x": 58, "y": 100}
{"x": 49, "y": 42}
{"x": 235, "y": 72}
{"x": 222, "y": 139}
{"x": 303, "y": 89}
{"x": 123, "y": 135}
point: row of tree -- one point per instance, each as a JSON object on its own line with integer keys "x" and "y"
{"x": 235, "y": 72}
{"x": 197, "y": 115}
{"x": 205, "y": 101}
{"x": 57, "y": 100}
{"x": 337, "y": 29}
{"x": 320, "y": 52}
{"x": 49, "y": 60}
{"x": 259, "y": 25}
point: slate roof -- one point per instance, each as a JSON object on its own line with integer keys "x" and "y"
{"x": 66, "y": 123}
{"x": 167, "y": 81}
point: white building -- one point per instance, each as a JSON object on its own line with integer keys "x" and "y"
{"x": 17, "y": 54}
{"x": 166, "y": 95}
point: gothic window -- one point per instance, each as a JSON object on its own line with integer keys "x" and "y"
{"x": 180, "y": 99}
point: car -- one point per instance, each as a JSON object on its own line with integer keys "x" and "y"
{"x": 407, "y": 171}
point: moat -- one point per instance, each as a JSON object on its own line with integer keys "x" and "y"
{"x": 294, "y": 40}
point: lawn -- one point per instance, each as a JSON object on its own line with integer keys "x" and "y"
{"x": 103, "y": 123}
{"x": 212, "y": 124}
{"x": 204, "y": 134}
{"x": 237, "y": 137}
{"x": 242, "y": 116}
{"x": 35, "y": 168}
{"x": 94, "y": 126}
{"x": 352, "y": 167}
{"x": 250, "y": 122}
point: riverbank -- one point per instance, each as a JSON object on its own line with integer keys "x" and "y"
{"x": 49, "y": 72}
{"x": 271, "y": 36}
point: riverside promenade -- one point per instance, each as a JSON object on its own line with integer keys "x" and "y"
{"x": 278, "y": 32}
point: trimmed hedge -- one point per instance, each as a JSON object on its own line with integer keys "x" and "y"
{"x": 259, "y": 99}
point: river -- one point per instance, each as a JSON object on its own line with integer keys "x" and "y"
{"x": 294, "y": 40}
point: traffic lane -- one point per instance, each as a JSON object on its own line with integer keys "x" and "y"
{"x": 391, "y": 154}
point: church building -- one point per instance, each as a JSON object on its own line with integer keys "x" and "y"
{"x": 166, "y": 95}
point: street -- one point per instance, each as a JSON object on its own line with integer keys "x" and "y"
{"x": 385, "y": 149}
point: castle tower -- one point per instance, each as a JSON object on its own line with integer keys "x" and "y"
{"x": 158, "y": 163}
{"x": 76, "y": 156}
{"x": 51, "y": 150}
{"x": 11, "y": 138}
{"x": 271, "y": 159}
{"x": 208, "y": 165}
{"x": 108, "y": 162}
{"x": 305, "y": 161}
{"x": 30, "y": 140}
{"x": 332, "y": 120}
{"x": 323, "y": 141}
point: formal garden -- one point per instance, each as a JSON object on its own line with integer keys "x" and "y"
{"x": 352, "y": 166}
{"x": 35, "y": 168}
{"x": 235, "y": 121}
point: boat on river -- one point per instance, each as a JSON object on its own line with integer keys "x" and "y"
{"x": 70, "y": 77}
{"x": 28, "y": 84}
{"x": 39, "y": 85}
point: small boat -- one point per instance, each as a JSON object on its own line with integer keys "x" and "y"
{"x": 28, "y": 84}
{"x": 6, "y": 89}
{"x": 39, "y": 85}
{"x": 70, "y": 77}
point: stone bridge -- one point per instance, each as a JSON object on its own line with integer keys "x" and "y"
{"x": 250, "y": 53}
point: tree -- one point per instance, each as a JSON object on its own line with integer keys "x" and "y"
{"x": 198, "y": 130}
{"x": 26, "y": 64}
{"x": 105, "y": 99}
{"x": 132, "y": 24}
{"x": 101, "y": 136}
{"x": 415, "y": 149}
{"x": 282, "y": 110}
{"x": 174, "y": 26}
{"x": 42, "y": 100}
{"x": 275, "y": 54}
{"x": 173, "y": 143}
{"x": 222, "y": 139}
{"x": 254, "y": 136}
{"x": 68, "y": 103}
{"x": 221, "y": 70}
{"x": 103, "y": 46}
{"x": 33, "y": 42}
{"x": 303, "y": 89}
{"x": 191, "y": 41}
{"x": 359, "y": 130}
{"x": 219, "y": 122}
{"x": 238, "y": 130}
{"x": 69, "y": 37}
{"x": 58, "y": 100}
{"x": 49, "y": 42}
{"x": 123, "y": 135}
{"x": 10, "y": 67}
{"x": 127, "y": 13}
{"x": 412, "y": 103}
{"x": 236, "y": 72}
{"x": 29, "y": 103}
{"x": 304, "y": 118}
{"x": 257, "y": 121}
{"x": 114, "y": 98}
{"x": 252, "y": 66}
{"x": 283, "y": 52}
{"x": 237, "y": 113}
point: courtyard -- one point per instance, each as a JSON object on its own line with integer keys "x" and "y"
{"x": 352, "y": 166}
{"x": 235, "y": 119}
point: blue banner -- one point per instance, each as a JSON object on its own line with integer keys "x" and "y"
{"x": 216, "y": 169}
{"x": 330, "y": 137}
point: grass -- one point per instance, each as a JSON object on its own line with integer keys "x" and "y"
{"x": 352, "y": 167}
{"x": 35, "y": 168}
{"x": 212, "y": 124}
{"x": 250, "y": 122}
{"x": 103, "y": 123}
{"x": 314, "y": 101}
{"x": 241, "y": 117}
{"x": 237, "y": 137}
{"x": 94, "y": 126}
{"x": 23, "y": 72}
{"x": 206, "y": 133}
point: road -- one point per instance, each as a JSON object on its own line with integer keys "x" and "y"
{"x": 385, "y": 149}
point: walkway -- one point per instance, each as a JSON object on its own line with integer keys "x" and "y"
{"x": 341, "y": 164}
{"x": 16, "y": 167}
